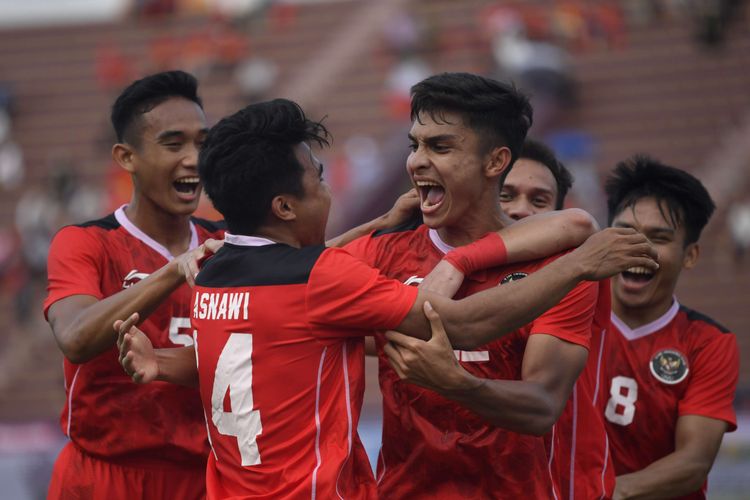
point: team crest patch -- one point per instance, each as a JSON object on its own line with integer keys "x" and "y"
{"x": 669, "y": 366}
{"x": 513, "y": 277}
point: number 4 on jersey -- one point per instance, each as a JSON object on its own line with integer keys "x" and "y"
{"x": 622, "y": 399}
{"x": 234, "y": 373}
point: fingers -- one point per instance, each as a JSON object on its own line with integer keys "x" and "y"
{"x": 395, "y": 359}
{"x": 213, "y": 245}
{"x": 436, "y": 324}
{"x": 190, "y": 270}
{"x": 402, "y": 340}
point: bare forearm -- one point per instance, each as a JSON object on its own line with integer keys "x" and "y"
{"x": 488, "y": 315}
{"x": 177, "y": 366}
{"x": 359, "y": 231}
{"x": 519, "y": 406}
{"x": 675, "y": 475}
{"x": 542, "y": 235}
{"x": 88, "y": 332}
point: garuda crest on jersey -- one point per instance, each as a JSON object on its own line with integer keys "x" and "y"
{"x": 669, "y": 366}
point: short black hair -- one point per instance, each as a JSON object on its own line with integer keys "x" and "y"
{"x": 145, "y": 94}
{"x": 686, "y": 199}
{"x": 248, "y": 158}
{"x": 498, "y": 111}
{"x": 539, "y": 152}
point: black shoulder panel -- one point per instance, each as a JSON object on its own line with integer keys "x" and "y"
{"x": 696, "y": 316}
{"x": 235, "y": 266}
{"x": 109, "y": 222}
{"x": 210, "y": 225}
{"x": 409, "y": 225}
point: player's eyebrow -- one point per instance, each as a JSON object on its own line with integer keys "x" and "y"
{"x": 170, "y": 134}
{"x": 648, "y": 229}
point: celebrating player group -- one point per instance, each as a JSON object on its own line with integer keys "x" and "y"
{"x": 523, "y": 352}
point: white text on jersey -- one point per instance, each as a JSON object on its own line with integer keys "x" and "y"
{"x": 221, "y": 305}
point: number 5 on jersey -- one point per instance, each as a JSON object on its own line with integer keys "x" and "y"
{"x": 234, "y": 373}
{"x": 621, "y": 405}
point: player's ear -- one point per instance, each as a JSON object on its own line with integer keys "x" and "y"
{"x": 282, "y": 207}
{"x": 123, "y": 155}
{"x": 498, "y": 161}
{"x": 692, "y": 252}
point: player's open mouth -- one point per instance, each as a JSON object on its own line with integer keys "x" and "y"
{"x": 187, "y": 186}
{"x": 431, "y": 195}
{"x": 636, "y": 276}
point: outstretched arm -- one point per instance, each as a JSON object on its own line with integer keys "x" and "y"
{"x": 530, "y": 405}
{"x": 486, "y": 316}
{"x": 405, "y": 206}
{"x": 697, "y": 440}
{"x": 82, "y": 325}
{"x": 144, "y": 364}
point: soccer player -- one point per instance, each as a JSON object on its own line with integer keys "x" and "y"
{"x": 279, "y": 318}
{"x": 128, "y": 440}
{"x": 578, "y": 445}
{"x": 537, "y": 183}
{"x": 479, "y": 434}
{"x": 670, "y": 372}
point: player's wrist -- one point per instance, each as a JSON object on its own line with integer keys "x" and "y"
{"x": 487, "y": 252}
{"x": 461, "y": 382}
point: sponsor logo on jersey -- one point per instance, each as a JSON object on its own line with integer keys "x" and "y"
{"x": 669, "y": 366}
{"x": 132, "y": 278}
{"x": 513, "y": 277}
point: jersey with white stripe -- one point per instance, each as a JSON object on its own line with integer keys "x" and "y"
{"x": 433, "y": 447}
{"x": 279, "y": 335}
{"x": 106, "y": 414}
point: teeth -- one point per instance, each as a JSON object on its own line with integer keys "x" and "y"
{"x": 426, "y": 183}
{"x": 639, "y": 270}
{"x": 188, "y": 180}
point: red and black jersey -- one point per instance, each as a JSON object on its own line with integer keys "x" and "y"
{"x": 683, "y": 363}
{"x": 105, "y": 413}
{"x": 433, "y": 447}
{"x": 279, "y": 337}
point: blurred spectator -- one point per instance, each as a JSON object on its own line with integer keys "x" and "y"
{"x": 11, "y": 157}
{"x": 113, "y": 68}
{"x": 255, "y": 77}
{"x": 738, "y": 221}
{"x": 399, "y": 82}
{"x": 40, "y": 212}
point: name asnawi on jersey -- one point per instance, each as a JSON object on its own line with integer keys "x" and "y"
{"x": 221, "y": 305}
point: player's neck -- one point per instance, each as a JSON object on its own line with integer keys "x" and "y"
{"x": 278, "y": 234}
{"x": 170, "y": 230}
{"x": 636, "y": 317}
{"x": 473, "y": 226}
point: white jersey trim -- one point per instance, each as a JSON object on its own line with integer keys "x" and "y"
{"x": 438, "y": 242}
{"x": 549, "y": 462}
{"x": 599, "y": 365}
{"x": 571, "y": 492}
{"x": 70, "y": 399}
{"x": 148, "y": 240}
{"x": 317, "y": 426}
{"x": 348, "y": 416}
{"x": 604, "y": 469}
{"x": 247, "y": 241}
{"x": 648, "y": 328}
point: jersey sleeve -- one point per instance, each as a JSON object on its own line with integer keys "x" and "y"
{"x": 571, "y": 319}
{"x": 365, "y": 248}
{"x": 74, "y": 266}
{"x": 345, "y": 293}
{"x": 715, "y": 370}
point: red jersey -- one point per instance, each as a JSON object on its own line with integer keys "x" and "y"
{"x": 105, "y": 413}
{"x": 680, "y": 364}
{"x": 578, "y": 446}
{"x": 279, "y": 336}
{"x": 435, "y": 448}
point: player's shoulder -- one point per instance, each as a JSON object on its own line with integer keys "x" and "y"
{"x": 276, "y": 264}
{"x": 96, "y": 228}
{"x": 699, "y": 322}
{"x": 210, "y": 226}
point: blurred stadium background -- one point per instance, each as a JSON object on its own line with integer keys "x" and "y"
{"x": 608, "y": 79}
